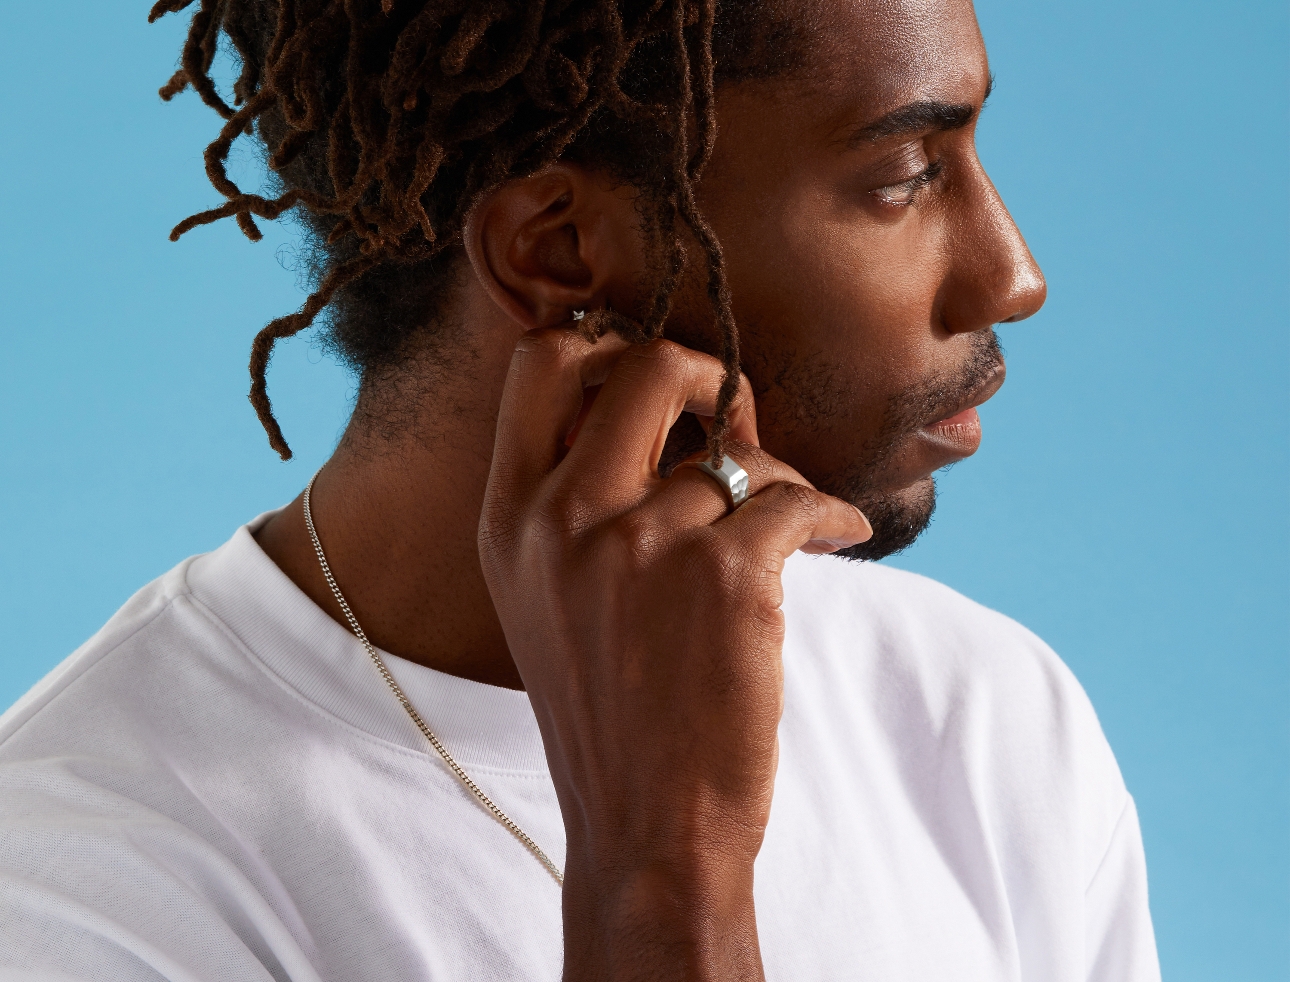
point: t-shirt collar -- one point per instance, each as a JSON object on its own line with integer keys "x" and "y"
{"x": 481, "y": 725}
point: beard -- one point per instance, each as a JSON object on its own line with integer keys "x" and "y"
{"x": 897, "y": 519}
{"x": 899, "y": 515}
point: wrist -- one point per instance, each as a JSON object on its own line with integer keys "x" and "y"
{"x": 657, "y": 919}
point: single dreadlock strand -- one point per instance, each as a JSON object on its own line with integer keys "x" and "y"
{"x": 342, "y": 164}
{"x": 429, "y": 156}
{"x": 210, "y": 39}
{"x": 624, "y": 105}
{"x": 365, "y": 104}
{"x": 289, "y": 149}
{"x": 684, "y": 100}
{"x": 519, "y": 56}
{"x": 674, "y": 261}
{"x": 673, "y": 264}
{"x": 296, "y": 65}
{"x": 217, "y": 152}
{"x": 163, "y": 7}
{"x": 718, "y": 289}
{"x": 705, "y": 95}
{"x": 282, "y": 32}
{"x": 248, "y": 79}
{"x": 250, "y": 204}
{"x": 178, "y": 82}
{"x": 247, "y": 224}
{"x": 285, "y": 327}
{"x": 719, "y": 297}
{"x": 470, "y": 32}
{"x": 195, "y": 63}
{"x": 416, "y": 57}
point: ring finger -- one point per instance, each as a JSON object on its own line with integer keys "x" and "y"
{"x": 692, "y": 497}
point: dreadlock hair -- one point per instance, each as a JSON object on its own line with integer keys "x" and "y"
{"x": 385, "y": 120}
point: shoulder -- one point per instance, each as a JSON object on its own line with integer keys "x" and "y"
{"x": 914, "y": 638}
{"x": 918, "y": 622}
{"x": 130, "y": 631}
{"x": 108, "y": 723}
{"x": 171, "y": 654}
{"x": 114, "y": 862}
{"x": 949, "y": 685}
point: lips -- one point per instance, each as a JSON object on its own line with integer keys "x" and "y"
{"x": 959, "y": 434}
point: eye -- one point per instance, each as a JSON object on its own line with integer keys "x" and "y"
{"x": 906, "y": 192}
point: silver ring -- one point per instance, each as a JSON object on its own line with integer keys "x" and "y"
{"x": 732, "y": 478}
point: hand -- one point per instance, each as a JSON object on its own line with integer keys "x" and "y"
{"x": 644, "y": 619}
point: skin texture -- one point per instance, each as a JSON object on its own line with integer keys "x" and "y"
{"x": 642, "y": 619}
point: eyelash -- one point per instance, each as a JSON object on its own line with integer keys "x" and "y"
{"x": 912, "y": 187}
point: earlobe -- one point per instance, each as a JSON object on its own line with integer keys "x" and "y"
{"x": 558, "y": 241}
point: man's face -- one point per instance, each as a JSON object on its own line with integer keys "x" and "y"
{"x": 868, "y": 253}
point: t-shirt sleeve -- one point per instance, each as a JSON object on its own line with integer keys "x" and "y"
{"x": 1120, "y": 943}
{"x": 96, "y": 887}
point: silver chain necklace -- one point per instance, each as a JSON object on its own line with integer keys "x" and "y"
{"x": 406, "y": 703}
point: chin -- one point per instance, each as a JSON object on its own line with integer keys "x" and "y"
{"x": 898, "y": 519}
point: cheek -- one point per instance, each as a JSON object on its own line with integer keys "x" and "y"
{"x": 817, "y": 279}
{"x": 873, "y": 283}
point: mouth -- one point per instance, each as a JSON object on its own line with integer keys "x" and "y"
{"x": 958, "y": 434}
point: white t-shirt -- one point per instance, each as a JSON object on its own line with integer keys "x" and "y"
{"x": 218, "y": 787}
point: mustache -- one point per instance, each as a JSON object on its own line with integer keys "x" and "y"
{"x": 942, "y": 396}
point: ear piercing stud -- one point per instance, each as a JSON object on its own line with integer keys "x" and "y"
{"x": 579, "y": 314}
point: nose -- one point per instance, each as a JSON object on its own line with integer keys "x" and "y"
{"x": 994, "y": 279}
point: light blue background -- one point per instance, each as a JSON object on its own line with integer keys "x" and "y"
{"x": 1129, "y": 502}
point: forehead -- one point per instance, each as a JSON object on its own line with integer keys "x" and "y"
{"x": 885, "y": 53}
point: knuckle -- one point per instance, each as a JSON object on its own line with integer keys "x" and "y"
{"x": 797, "y": 497}
{"x": 664, "y": 351}
{"x": 765, "y": 470}
{"x": 495, "y": 525}
{"x": 492, "y": 540}
{"x": 635, "y": 540}
{"x": 767, "y": 621}
{"x": 662, "y": 357}
{"x": 564, "y": 513}
{"x": 498, "y": 519}
{"x": 754, "y": 460}
{"x": 767, "y": 607}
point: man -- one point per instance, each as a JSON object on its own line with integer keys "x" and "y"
{"x": 519, "y": 686}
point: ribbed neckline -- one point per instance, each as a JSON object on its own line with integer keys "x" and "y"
{"x": 482, "y": 725}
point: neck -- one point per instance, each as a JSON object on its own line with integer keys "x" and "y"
{"x": 397, "y": 508}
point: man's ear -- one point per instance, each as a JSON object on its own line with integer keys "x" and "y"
{"x": 560, "y": 240}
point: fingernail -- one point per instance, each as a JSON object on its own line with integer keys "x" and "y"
{"x": 867, "y": 527}
{"x": 819, "y": 547}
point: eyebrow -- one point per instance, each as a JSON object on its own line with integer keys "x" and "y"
{"x": 918, "y": 117}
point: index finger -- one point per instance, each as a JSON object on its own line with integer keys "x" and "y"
{"x": 549, "y": 371}
{"x": 647, "y": 390}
